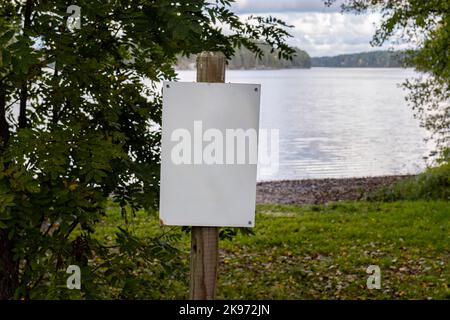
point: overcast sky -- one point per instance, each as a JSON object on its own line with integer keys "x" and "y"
{"x": 319, "y": 30}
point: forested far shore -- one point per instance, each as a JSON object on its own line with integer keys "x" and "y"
{"x": 244, "y": 59}
{"x": 374, "y": 59}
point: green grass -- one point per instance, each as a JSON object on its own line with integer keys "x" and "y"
{"x": 322, "y": 252}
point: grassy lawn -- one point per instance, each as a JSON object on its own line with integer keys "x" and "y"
{"x": 322, "y": 252}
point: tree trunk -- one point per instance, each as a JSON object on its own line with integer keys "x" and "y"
{"x": 9, "y": 269}
{"x": 4, "y": 128}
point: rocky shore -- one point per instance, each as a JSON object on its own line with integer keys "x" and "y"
{"x": 318, "y": 191}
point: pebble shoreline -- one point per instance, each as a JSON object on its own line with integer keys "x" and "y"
{"x": 320, "y": 191}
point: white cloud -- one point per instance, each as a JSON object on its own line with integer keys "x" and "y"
{"x": 265, "y": 6}
{"x": 318, "y": 29}
{"x": 329, "y": 33}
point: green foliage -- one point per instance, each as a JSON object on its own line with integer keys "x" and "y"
{"x": 434, "y": 183}
{"x": 374, "y": 59}
{"x": 88, "y": 128}
{"x": 137, "y": 260}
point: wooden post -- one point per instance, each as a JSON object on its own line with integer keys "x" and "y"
{"x": 211, "y": 67}
{"x": 205, "y": 240}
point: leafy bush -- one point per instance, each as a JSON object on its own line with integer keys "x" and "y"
{"x": 88, "y": 126}
{"x": 434, "y": 183}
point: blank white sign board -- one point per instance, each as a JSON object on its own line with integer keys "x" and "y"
{"x": 198, "y": 192}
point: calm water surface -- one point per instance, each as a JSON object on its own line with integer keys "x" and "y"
{"x": 337, "y": 122}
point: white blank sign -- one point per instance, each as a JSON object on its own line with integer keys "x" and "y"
{"x": 196, "y": 192}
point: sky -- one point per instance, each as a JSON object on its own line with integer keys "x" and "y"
{"x": 320, "y": 30}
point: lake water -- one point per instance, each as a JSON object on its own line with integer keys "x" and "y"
{"x": 337, "y": 122}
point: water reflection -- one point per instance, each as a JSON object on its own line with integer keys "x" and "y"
{"x": 337, "y": 122}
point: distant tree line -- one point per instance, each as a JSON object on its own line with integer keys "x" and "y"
{"x": 245, "y": 59}
{"x": 375, "y": 59}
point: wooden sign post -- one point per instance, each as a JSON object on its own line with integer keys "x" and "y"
{"x": 208, "y": 162}
{"x": 205, "y": 240}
